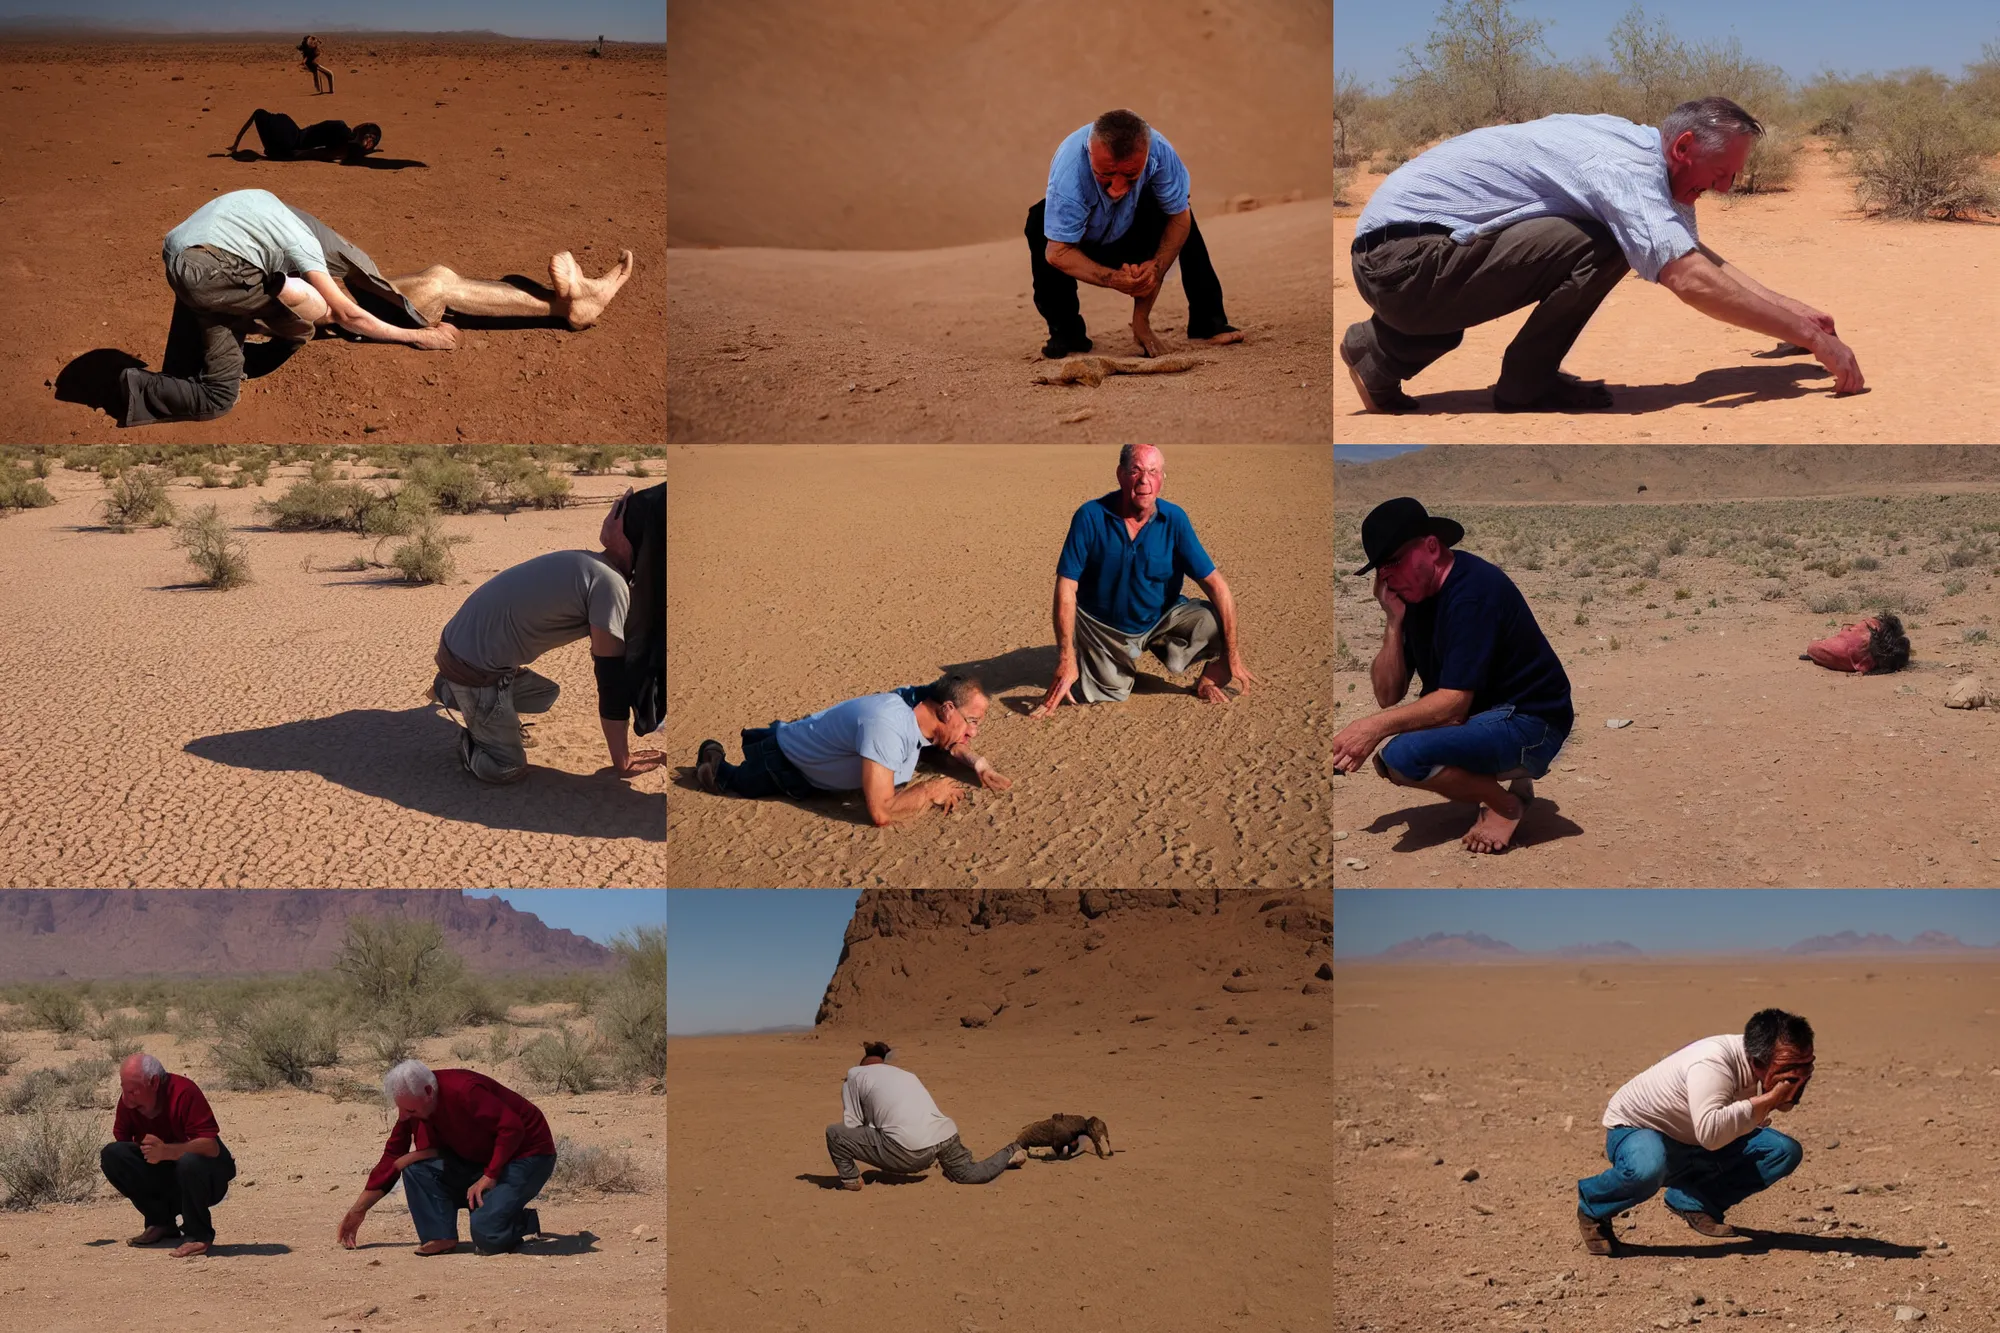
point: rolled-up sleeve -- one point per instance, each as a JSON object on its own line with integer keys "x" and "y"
{"x": 1650, "y": 226}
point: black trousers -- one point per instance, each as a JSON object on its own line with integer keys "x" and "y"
{"x": 176, "y": 1195}
{"x": 1055, "y": 290}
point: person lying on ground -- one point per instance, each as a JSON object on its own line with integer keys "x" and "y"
{"x": 1118, "y": 594}
{"x": 462, "y": 1140}
{"x": 1877, "y": 644}
{"x": 283, "y": 140}
{"x": 246, "y": 262}
{"x": 870, "y": 744}
{"x": 1495, "y": 703}
{"x": 309, "y": 58}
{"x": 521, "y": 613}
{"x": 1698, "y": 1123}
{"x": 888, "y": 1120}
{"x": 1116, "y": 215}
{"x": 167, "y": 1156}
{"x": 1551, "y": 214}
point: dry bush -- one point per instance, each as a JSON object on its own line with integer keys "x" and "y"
{"x": 460, "y": 487}
{"x": 55, "y": 1008}
{"x": 52, "y": 1158}
{"x": 632, "y": 1018}
{"x": 74, "y": 1086}
{"x": 1922, "y": 154}
{"x": 9, "y": 1054}
{"x": 1342, "y": 178}
{"x": 562, "y": 1061}
{"x": 138, "y": 499}
{"x": 1772, "y": 165}
{"x": 582, "y": 1167}
{"x": 19, "y": 489}
{"x": 315, "y": 504}
{"x": 280, "y": 1041}
{"x": 222, "y": 559}
{"x": 427, "y": 557}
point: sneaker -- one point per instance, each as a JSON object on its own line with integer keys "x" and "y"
{"x": 527, "y": 736}
{"x": 708, "y": 759}
{"x": 1702, "y": 1222}
{"x": 1597, "y": 1237}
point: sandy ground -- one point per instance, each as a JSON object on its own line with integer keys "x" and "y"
{"x": 1906, "y": 297}
{"x": 926, "y": 345}
{"x": 162, "y": 735}
{"x": 1742, "y": 764}
{"x": 1506, "y": 1070}
{"x": 1212, "y": 1212}
{"x": 524, "y": 150}
{"x": 301, "y": 1159}
{"x": 798, "y": 577}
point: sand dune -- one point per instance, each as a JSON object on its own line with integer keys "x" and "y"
{"x": 1906, "y": 297}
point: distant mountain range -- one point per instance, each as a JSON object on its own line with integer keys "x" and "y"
{"x": 1468, "y": 946}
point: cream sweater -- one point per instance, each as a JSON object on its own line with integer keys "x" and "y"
{"x": 1700, "y": 1094}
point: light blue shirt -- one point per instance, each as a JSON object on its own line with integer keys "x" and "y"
{"x": 253, "y": 225}
{"x": 828, "y": 746}
{"x": 1600, "y": 167}
{"x": 1079, "y": 210}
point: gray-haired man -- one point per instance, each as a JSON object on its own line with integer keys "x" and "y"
{"x": 167, "y": 1156}
{"x": 1552, "y": 213}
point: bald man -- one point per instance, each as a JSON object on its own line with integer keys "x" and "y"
{"x": 167, "y": 1156}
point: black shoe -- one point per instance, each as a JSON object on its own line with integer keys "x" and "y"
{"x": 1055, "y": 349}
{"x": 1569, "y": 394}
{"x": 708, "y": 758}
{"x": 465, "y": 749}
{"x": 1389, "y": 401}
{"x": 531, "y": 1222}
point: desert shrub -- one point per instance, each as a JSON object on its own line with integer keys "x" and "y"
{"x": 1921, "y": 154}
{"x": 1954, "y": 586}
{"x": 281, "y": 1040}
{"x": 387, "y": 959}
{"x": 459, "y": 487}
{"x": 315, "y": 505}
{"x": 1477, "y": 66}
{"x": 209, "y": 475}
{"x": 400, "y": 513}
{"x": 1900, "y": 600}
{"x": 1964, "y": 555}
{"x": 73, "y": 1086}
{"x": 1977, "y": 635}
{"x": 632, "y": 1018}
{"x": 1865, "y": 562}
{"x": 426, "y": 557}
{"x": 596, "y": 462}
{"x": 499, "y": 1043}
{"x": 562, "y": 1061}
{"x": 544, "y": 490}
{"x": 138, "y": 499}
{"x": 9, "y": 1055}
{"x": 1772, "y": 164}
{"x": 52, "y": 1158}
{"x": 56, "y": 1008}
{"x": 20, "y": 490}
{"x": 222, "y": 559}
{"x": 1830, "y": 601}
{"x": 588, "y": 1167}
{"x": 463, "y": 1051}
{"x": 1342, "y": 178}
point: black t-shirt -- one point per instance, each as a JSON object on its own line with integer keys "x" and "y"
{"x": 1478, "y": 634}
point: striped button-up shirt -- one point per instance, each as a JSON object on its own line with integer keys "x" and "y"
{"x": 1600, "y": 167}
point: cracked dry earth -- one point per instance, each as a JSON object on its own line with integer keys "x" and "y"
{"x": 161, "y": 735}
{"x": 796, "y": 578}
{"x": 1505, "y": 1070}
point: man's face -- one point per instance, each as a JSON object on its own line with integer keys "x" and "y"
{"x": 421, "y": 1108}
{"x": 137, "y": 1091}
{"x": 1116, "y": 176}
{"x": 1690, "y": 171}
{"x": 1141, "y": 481}
{"x": 1412, "y": 573}
{"x": 1787, "y": 1061}
{"x": 957, "y": 724}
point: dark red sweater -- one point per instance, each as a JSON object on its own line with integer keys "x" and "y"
{"x": 182, "y": 1116}
{"x": 477, "y": 1119}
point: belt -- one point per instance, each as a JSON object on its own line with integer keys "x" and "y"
{"x": 1397, "y": 231}
{"x": 460, "y": 672}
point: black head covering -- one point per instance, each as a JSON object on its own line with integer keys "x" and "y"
{"x": 645, "y": 522}
{"x": 1394, "y": 522}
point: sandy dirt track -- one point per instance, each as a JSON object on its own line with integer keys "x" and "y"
{"x": 1906, "y": 297}
{"x": 161, "y": 735}
{"x": 1506, "y": 1070}
{"x": 277, "y": 1266}
{"x": 798, "y": 576}
{"x": 1210, "y": 1213}
{"x": 110, "y": 149}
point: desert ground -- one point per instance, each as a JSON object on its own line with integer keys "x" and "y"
{"x": 518, "y": 150}
{"x": 1505, "y": 1070}
{"x": 1905, "y": 296}
{"x": 799, "y": 576}
{"x": 301, "y": 1159}
{"x": 1210, "y": 1212}
{"x": 167, "y": 735}
{"x": 878, "y": 288}
{"x": 1741, "y": 764}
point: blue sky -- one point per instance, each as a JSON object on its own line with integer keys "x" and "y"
{"x": 1798, "y": 36}
{"x": 619, "y": 20}
{"x": 1366, "y": 921}
{"x": 740, "y": 959}
{"x": 595, "y": 914}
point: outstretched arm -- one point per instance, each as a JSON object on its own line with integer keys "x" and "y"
{"x": 1225, "y": 611}
{"x": 350, "y": 316}
{"x": 1720, "y": 293}
{"x": 1071, "y": 260}
{"x": 982, "y": 769}
{"x": 245, "y": 130}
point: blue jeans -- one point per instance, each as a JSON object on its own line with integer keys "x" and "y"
{"x": 1697, "y": 1180}
{"x": 1495, "y": 742}
{"x": 764, "y": 771}
{"x": 436, "y": 1191}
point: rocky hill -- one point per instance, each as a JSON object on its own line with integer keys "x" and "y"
{"x": 1440, "y": 947}
{"x": 1847, "y": 941}
{"x": 1029, "y": 958}
{"x": 46, "y": 934}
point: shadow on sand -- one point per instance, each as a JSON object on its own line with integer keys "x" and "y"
{"x": 410, "y": 758}
{"x": 867, "y": 1178}
{"x": 1759, "y": 1241}
{"x": 372, "y": 162}
{"x": 1438, "y": 822}
{"x": 92, "y": 379}
{"x": 1727, "y": 386}
{"x": 845, "y": 806}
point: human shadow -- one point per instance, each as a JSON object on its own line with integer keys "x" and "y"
{"x": 247, "y": 1250}
{"x": 91, "y": 380}
{"x": 409, "y": 757}
{"x": 583, "y": 1242}
{"x": 845, "y": 806}
{"x": 867, "y": 1178}
{"x": 374, "y": 162}
{"x": 1010, "y": 670}
{"x": 1438, "y": 822}
{"x": 1758, "y": 1241}
{"x": 1724, "y": 387}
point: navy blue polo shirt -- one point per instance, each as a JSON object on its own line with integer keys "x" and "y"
{"x": 1478, "y": 634}
{"x": 1125, "y": 582}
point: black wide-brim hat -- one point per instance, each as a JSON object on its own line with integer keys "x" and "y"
{"x": 1393, "y": 522}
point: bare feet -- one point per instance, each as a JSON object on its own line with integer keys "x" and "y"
{"x": 152, "y": 1236}
{"x": 581, "y": 300}
{"x": 1218, "y": 340}
{"x": 191, "y": 1249}
{"x": 437, "y": 1247}
{"x": 1020, "y": 1156}
{"x": 1495, "y": 826}
{"x": 1149, "y": 341}
{"x": 1213, "y": 677}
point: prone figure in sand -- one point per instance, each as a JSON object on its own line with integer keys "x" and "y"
{"x": 1063, "y": 1134}
{"x": 1868, "y": 647}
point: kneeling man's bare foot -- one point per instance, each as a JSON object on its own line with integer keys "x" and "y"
{"x": 152, "y": 1236}
{"x": 581, "y": 300}
{"x": 1149, "y": 341}
{"x": 191, "y": 1249}
{"x": 1494, "y": 828}
{"x": 1209, "y": 688}
{"x": 437, "y": 1247}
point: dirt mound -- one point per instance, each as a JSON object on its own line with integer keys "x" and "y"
{"x": 48, "y": 933}
{"x": 1041, "y": 958}
{"x": 900, "y": 124}
{"x": 1667, "y": 473}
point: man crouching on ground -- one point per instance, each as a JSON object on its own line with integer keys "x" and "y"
{"x": 1495, "y": 704}
{"x": 167, "y": 1156}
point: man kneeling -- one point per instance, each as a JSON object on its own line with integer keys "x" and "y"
{"x": 167, "y": 1157}
{"x": 1495, "y": 704}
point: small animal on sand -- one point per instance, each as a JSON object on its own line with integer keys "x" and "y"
{"x": 1060, "y": 1132}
